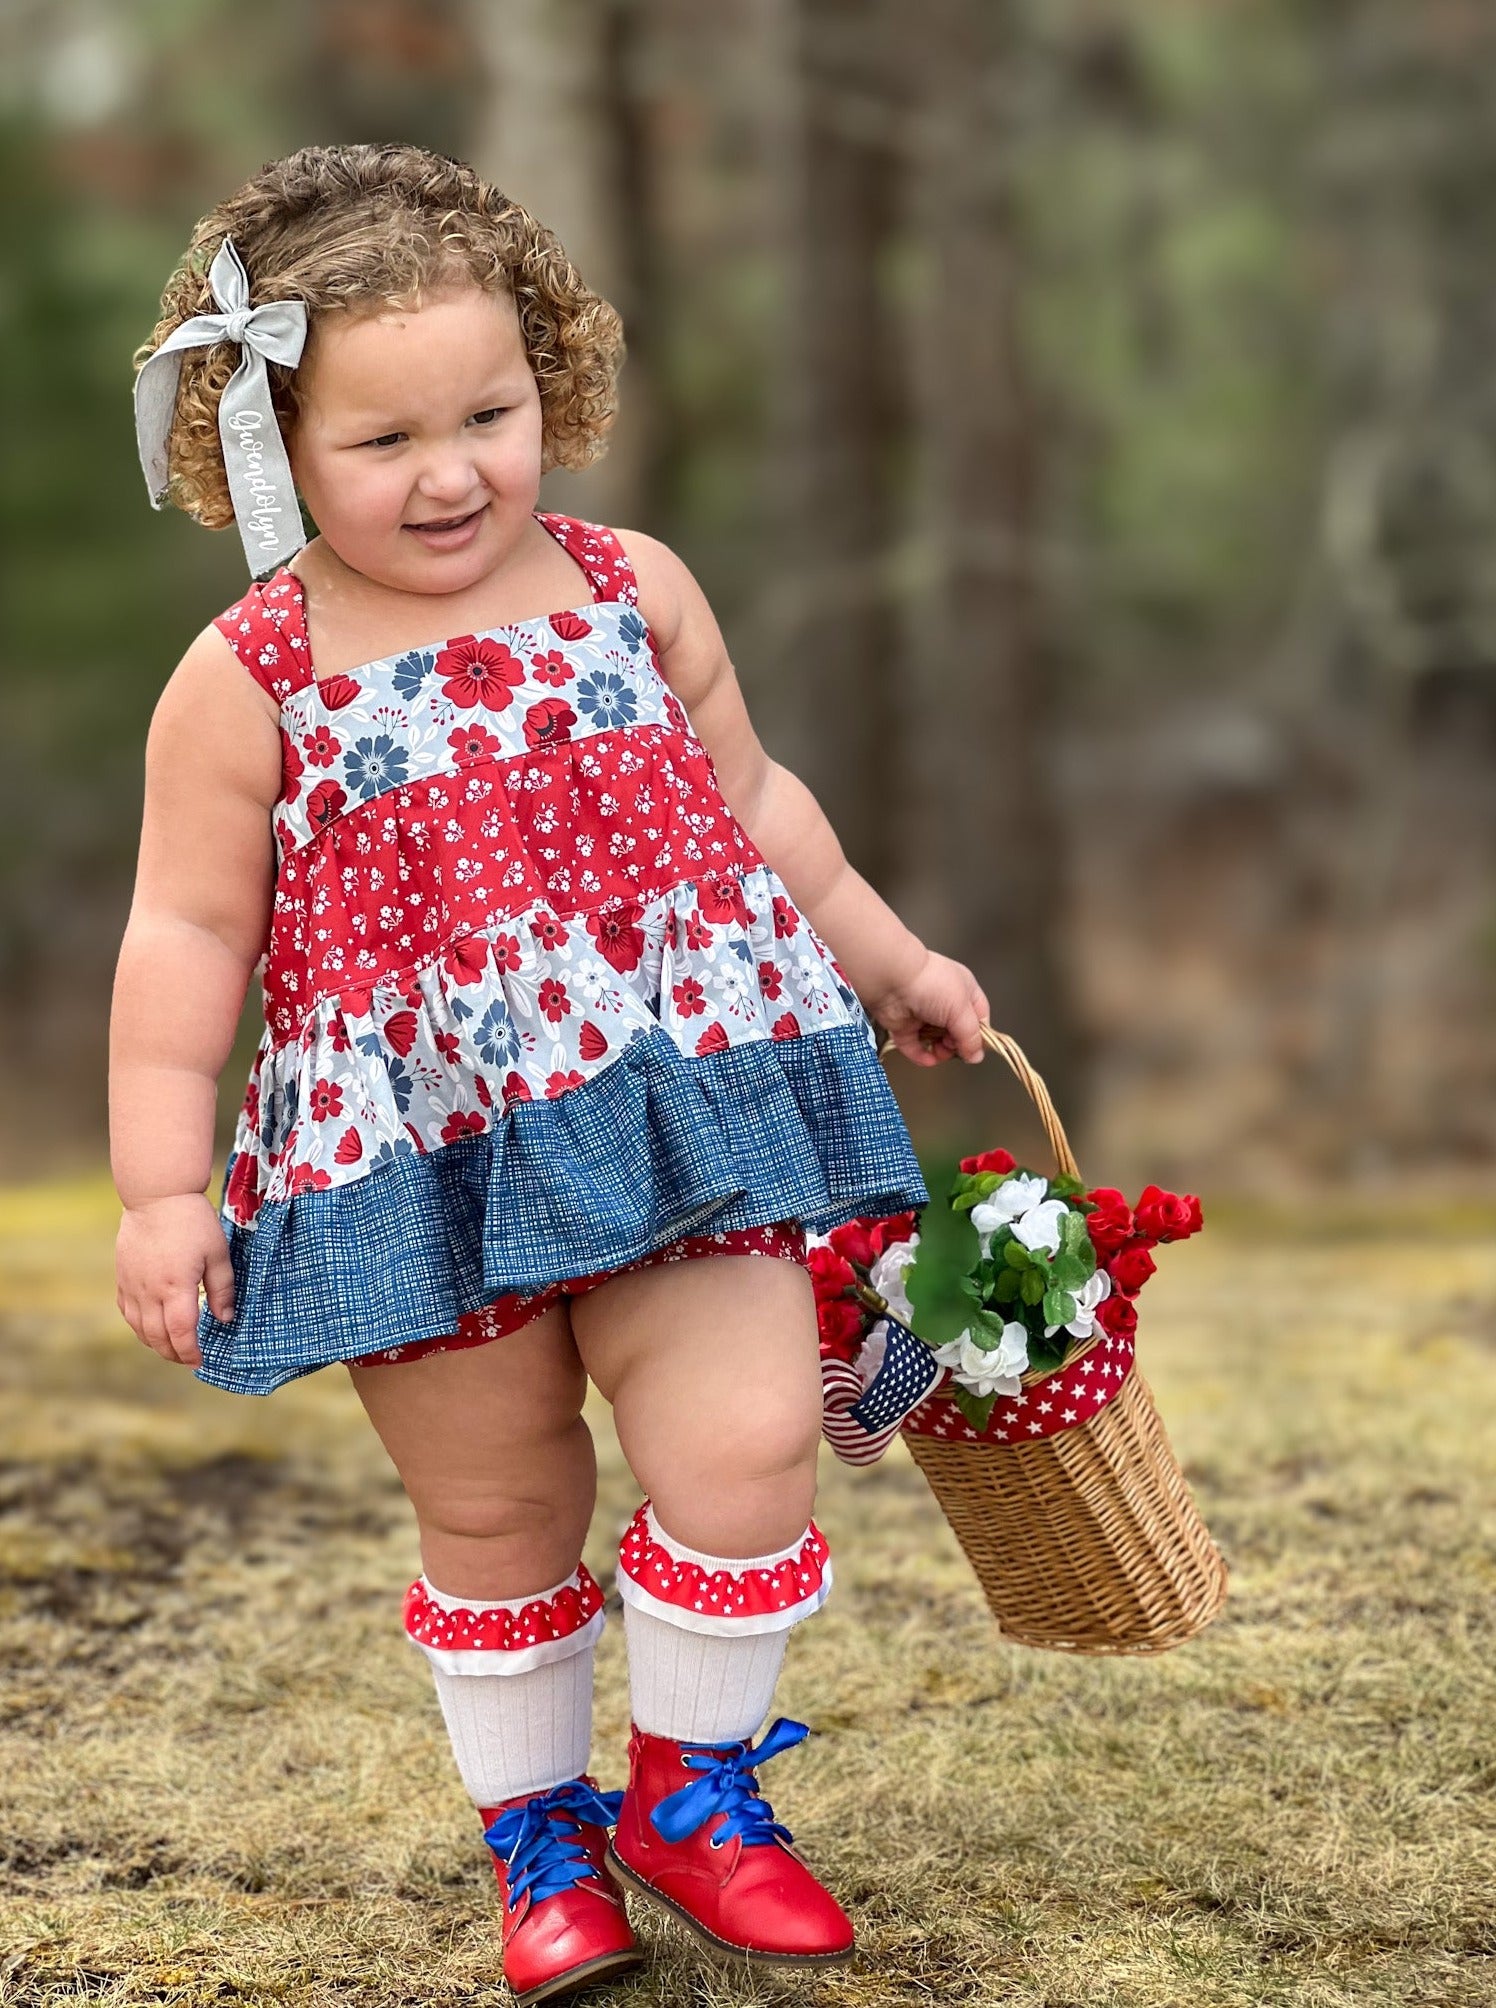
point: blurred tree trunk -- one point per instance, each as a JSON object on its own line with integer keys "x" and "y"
{"x": 991, "y": 882}
{"x": 1407, "y": 148}
{"x": 830, "y": 709}
{"x": 560, "y": 131}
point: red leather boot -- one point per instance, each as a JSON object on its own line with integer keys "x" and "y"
{"x": 696, "y": 1837}
{"x": 565, "y": 1925}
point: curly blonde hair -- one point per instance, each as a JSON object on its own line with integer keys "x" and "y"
{"x": 364, "y": 227}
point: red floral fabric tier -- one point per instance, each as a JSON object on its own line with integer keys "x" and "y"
{"x": 535, "y": 1004}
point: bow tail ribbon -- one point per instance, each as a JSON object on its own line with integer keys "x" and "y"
{"x": 254, "y": 453}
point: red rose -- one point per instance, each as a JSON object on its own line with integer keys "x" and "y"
{"x": 990, "y": 1160}
{"x": 830, "y": 1273}
{"x": 1111, "y": 1222}
{"x": 1167, "y": 1216}
{"x": 1131, "y": 1266}
{"x": 888, "y": 1233}
{"x": 855, "y": 1241}
{"x": 841, "y": 1329}
{"x": 1117, "y": 1317}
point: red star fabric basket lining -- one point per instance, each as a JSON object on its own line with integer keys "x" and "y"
{"x": 1070, "y": 1505}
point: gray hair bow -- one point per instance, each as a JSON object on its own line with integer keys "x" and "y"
{"x": 260, "y": 486}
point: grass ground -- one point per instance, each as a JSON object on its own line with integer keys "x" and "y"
{"x": 223, "y": 1776}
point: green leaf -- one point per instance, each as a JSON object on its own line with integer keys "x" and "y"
{"x": 1031, "y": 1289}
{"x": 1046, "y": 1353}
{"x": 987, "y": 1330}
{"x": 1068, "y": 1271}
{"x": 1059, "y": 1307}
{"x": 977, "y": 1408}
{"x": 970, "y": 1187}
{"x": 1014, "y": 1252}
{"x": 1006, "y": 1288}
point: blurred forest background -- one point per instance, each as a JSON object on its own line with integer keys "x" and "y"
{"x": 1080, "y": 413}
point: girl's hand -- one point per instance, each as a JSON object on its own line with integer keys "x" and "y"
{"x": 165, "y": 1247}
{"x": 935, "y": 1014}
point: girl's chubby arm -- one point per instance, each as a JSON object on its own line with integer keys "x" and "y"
{"x": 901, "y": 983}
{"x": 198, "y": 924}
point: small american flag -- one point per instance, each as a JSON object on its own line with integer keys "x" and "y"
{"x": 860, "y": 1422}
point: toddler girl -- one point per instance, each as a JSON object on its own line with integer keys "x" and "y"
{"x": 558, "y": 1068}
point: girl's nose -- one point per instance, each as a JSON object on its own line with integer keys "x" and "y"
{"x": 449, "y": 477}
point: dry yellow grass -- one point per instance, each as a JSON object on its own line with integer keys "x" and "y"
{"x": 224, "y": 1778}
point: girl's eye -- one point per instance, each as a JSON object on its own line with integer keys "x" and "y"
{"x": 487, "y": 417}
{"x": 385, "y": 439}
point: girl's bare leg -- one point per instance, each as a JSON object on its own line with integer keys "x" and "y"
{"x": 491, "y": 1447}
{"x": 713, "y": 1369}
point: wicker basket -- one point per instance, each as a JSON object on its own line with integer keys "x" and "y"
{"x": 1085, "y": 1540}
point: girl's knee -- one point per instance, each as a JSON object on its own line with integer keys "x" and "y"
{"x": 746, "y": 1488}
{"x": 770, "y": 1431}
{"x": 513, "y": 1498}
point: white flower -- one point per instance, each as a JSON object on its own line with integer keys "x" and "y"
{"x": 1040, "y": 1226}
{"x": 988, "y": 1371}
{"x": 887, "y": 1277}
{"x": 1009, "y": 1201}
{"x": 874, "y": 1347}
{"x": 1087, "y": 1297}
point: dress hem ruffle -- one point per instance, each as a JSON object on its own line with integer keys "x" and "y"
{"x": 660, "y": 1144}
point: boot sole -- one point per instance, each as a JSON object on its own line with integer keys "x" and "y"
{"x": 705, "y": 1937}
{"x": 586, "y": 1975}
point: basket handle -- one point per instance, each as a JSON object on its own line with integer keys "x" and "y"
{"x": 1033, "y": 1083}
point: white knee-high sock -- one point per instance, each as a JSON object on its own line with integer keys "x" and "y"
{"x": 697, "y": 1688}
{"x": 706, "y": 1633}
{"x": 518, "y": 1732}
{"x": 516, "y": 1696}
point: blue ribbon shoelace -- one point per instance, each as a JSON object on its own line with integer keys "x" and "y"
{"x": 728, "y": 1786}
{"x": 540, "y": 1841}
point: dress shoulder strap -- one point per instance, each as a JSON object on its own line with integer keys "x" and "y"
{"x": 599, "y": 554}
{"x": 267, "y": 631}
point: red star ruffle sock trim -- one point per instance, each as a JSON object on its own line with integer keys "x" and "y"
{"x": 474, "y": 1635}
{"x": 708, "y": 1593}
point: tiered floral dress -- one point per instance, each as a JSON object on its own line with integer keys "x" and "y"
{"x": 534, "y": 1003}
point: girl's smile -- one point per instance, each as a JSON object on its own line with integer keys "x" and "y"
{"x": 448, "y": 533}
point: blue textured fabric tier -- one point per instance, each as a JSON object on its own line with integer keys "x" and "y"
{"x": 659, "y": 1144}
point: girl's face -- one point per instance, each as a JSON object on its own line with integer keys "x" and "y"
{"x": 417, "y": 445}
